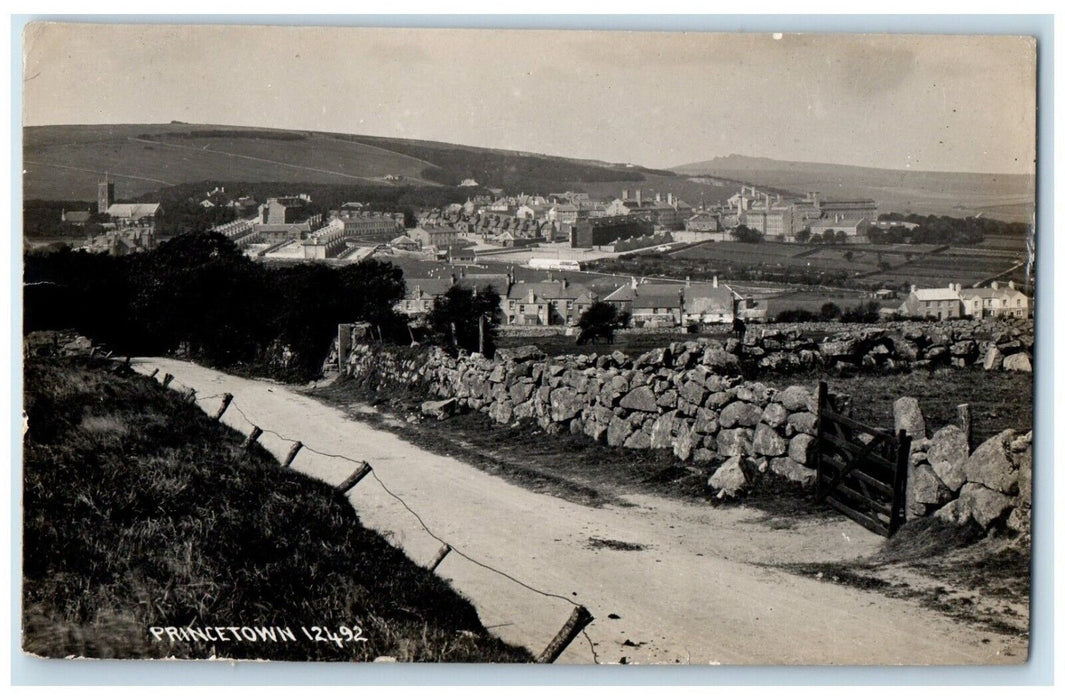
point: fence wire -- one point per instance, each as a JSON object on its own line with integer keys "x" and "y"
{"x": 421, "y": 521}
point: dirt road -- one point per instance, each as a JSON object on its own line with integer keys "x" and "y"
{"x": 690, "y": 587}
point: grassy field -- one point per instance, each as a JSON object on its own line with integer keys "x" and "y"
{"x": 139, "y": 511}
{"x": 859, "y": 266}
{"x": 998, "y": 400}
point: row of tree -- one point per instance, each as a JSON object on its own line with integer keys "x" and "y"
{"x": 198, "y": 294}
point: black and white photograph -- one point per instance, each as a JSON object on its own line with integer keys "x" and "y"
{"x": 527, "y": 346}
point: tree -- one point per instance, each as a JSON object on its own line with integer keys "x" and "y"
{"x": 466, "y": 318}
{"x": 849, "y": 256}
{"x": 599, "y": 320}
{"x": 830, "y": 311}
{"x": 802, "y": 236}
{"x": 745, "y": 234}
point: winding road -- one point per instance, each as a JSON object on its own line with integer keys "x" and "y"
{"x": 690, "y": 583}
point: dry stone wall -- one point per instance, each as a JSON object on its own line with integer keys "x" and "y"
{"x": 688, "y": 398}
{"x": 994, "y": 344}
{"x": 990, "y": 485}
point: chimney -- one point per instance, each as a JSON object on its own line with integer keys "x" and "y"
{"x": 639, "y": 198}
{"x": 565, "y": 283}
{"x": 632, "y": 283}
{"x": 1012, "y": 285}
{"x": 671, "y": 199}
{"x": 624, "y": 195}
{"x": 994, "y": 285}
{"x": 913, "y": 288}
{"x": 715, "y": 281}
{"x": 658, "y": 196}
{"x": 453, "y": 279}
{"x": 687, "y": 280}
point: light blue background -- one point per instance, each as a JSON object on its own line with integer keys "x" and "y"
{"x": 1039, "y": 669}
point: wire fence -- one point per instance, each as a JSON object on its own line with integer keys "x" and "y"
{"x": 577, "y": 624}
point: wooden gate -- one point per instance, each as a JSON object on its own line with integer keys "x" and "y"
{"x": 861, "y": 470}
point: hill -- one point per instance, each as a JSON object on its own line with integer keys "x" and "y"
{"x": 141, "y": 512}
{"x": 1000, "y": 196}
{"x": 65, "y": 162}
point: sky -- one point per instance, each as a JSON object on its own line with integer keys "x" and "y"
{"x": 920, "y": 102}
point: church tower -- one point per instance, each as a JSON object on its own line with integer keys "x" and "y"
{"x": 105, "y": 195}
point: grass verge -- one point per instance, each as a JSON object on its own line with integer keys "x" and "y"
{"x": 141, "y": 512}
{"x": 956, "y": 570}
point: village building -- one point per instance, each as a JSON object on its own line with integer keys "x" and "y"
{"x": 669, "y": 213}
{"x": 604, "y": 230}
{"x": 939, "y": 303}
{"x": 372, "y": 225}
{"x": 430, "y": 235}
{"x": 75, "y": 218}
{"x": 548, "y": 303}
{"x": 995, "y": 300}
{"x": 708, "y": 302}
{"x": 421, "y": 295}
{"x": 855, "y": 231}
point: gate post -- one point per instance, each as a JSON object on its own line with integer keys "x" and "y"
{"x": 902, "y": 470}
{"x": 822, "y": 400}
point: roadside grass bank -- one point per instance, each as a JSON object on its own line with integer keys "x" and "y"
{"x": 140, "y": 512}
{"x": 955, "y": 570}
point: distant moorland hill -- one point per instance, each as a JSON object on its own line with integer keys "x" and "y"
{"x": 66, "y": 162}
{"x": 1000, "y": 196}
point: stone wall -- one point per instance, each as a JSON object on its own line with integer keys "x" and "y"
{"x": 990, "y": 485}
{"x": 688, "y": 398}
{"x": 994, "y": 344}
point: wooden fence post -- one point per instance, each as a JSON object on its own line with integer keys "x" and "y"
{"x": 292, "y": 454}
{"x": 822, "y": 399}
{"x": 576, "y": 622}
{"x": 226, "y": 400}
{"x": 256, "y": 431}
{"x": 902, "y": 469}
{"x": 191, "y": 396}
{"x": 167, "y": 378}
{"x": 356, "y": 476}
{"x": 154, "y": 372}
{"x": 965, "y": 422}
{"x": 444, "y": 551}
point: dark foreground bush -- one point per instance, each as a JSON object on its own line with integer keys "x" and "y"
{"x": 141, "y": 512}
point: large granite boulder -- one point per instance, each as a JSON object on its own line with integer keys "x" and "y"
{"x": 947, "y": 456}
{"x": 768, "y": 442}
{"x": 908, "y": 417}
{"x": 441, "y": 410}
{"x": 739, "y": 413}
{"x": 775, "y": 415}
{"x": 797, "y": 398}
{"x": 734, "y": 441}
{"x": 729, "y": 480}
{"x": 642, "y": 398}
{"x": 1018, "y": 362}
{"x": 985, "y": 506}
{"x": 801, "y": 449}
{"x": 990, "y": 464}
{"x": 793, "y": 471}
